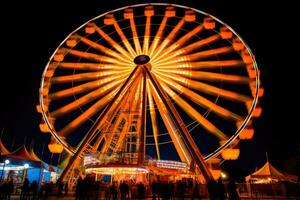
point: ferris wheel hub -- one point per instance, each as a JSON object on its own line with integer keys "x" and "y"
{"x": 141, "y": 59}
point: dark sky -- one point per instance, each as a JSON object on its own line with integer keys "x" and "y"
{"x": 30, "y": 32}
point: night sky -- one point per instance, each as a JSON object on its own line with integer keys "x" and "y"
{"x": 31, "y": 32}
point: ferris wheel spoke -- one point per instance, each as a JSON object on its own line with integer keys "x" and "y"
{"x": 180, "y": 42}
{"x": 158, "y": 36}
{"x": 189, "y": 48}
{"x": 153, "y": 120}
{"x": 149, "y": 12}
{"x": 92, "y": 56}
{"x": 209, "y": 53}
{"x": 208, "y": 76}
{"x": 123, "y": 105}
{"x": 206, "y": 88}
{"x": 168, "y": 39}
{"x": 87, "y": 66}
{"x": 86, "y": 76}
{"x": 84, "y": 87}
{"x": 112, "y": 42}
{"x": 172, "y": 130}
{"x": 203, "y": 102}
{"x": 202, "y": 65}
{"x": 98, "y": 93}
{"x": 86, "y": 115}
{"x": 195, "y": 114}
{"x": 128, "y": 14}
{"x": 110, "y": 20}
{"x": 102, "y": 49}
{"x": 200, "y": 55}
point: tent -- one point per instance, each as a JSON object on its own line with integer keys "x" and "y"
{"x": 269, "y": 173}
{"x": 3, "y": 149}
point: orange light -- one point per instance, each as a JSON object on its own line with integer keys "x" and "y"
{"x": 189, "y": 16}
{"x": 237, "y": 44}
{"x": 128, "y": 13}
{"x": 38, "y": 108}
{"x": 89, "y": 29}
{"x": 58, "y": 57}
{"x": 257, "y": 111}
{"x": 246, "y": 57}
{"x": 170, "y": 11}
{"x": 149, "y": 11}
{"x": 209, "y": 23}
{"x": 109, "y": 19}
{"x": 225, "y": 33}
{"x": 247, "y": 133}
{"x": 49, "y": 73}
{"x": 230, "y": 153}
{"x": 55, "y": 147}
{"x": 71, "y": 43}
{"x": 44, "y": 128}
{"x": 251, "y": 71}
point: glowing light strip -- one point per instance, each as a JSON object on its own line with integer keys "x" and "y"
{"x": 211, "y": 90}
{"x": 147, "y": 35}
{"x": 124, "y": 39}
{"x": 85, "y": 99}
{"x": 157, "y": 36}
{"x": 168, "y": 39}
{"x": 180, "y": 41}
{"x": 87, "y": 76}
{"x": 185, "y": 50}
{"x": 87, "y": 114}
{"x": 112, "y": 42}
{"x": 84, "y": 87}
{"x": 203, "y": 65}
{"x": 205, "y": 103}
{"x": 182, "y": 151}
{"x": 135, "y": 37}
{"x": 117, "y": 170}
{"x": 194, "y": 114}
{"x": 153, "y": 119}
{"x": 88, "y": 66}
{"x": 92, "y": 56}
{"x": 103, "y": 49}
{"x": 210, "y": 76}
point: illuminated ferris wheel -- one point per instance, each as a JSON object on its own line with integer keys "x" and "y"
{"x": 156, "y": 80}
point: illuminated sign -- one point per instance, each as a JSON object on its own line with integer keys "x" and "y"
{"x": 168, "y": 164}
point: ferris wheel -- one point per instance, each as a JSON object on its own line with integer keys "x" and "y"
{"x": 148, "y": 79}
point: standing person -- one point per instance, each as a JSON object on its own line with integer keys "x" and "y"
{"x": 34, "y": 189}
{"x": 196, "y": 191}
{"x": 211, "y": 186}
{"x": 220, "y": 189}
{"x": 24, "y": 189}
{"x": 232, "y": 193}
{"x": 66, "y": 188}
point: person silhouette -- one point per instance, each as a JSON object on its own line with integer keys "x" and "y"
{"x": 232, "y": 193}
{"x": 220, "y": 189}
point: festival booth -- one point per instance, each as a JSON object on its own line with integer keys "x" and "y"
{"x": 268, "y": 174}
{"x": 22, "y": 164}
{"x": 270, "y": 181}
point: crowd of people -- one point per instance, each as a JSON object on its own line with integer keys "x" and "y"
{"x": 88, "y": 188}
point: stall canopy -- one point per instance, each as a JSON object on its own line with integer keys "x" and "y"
{"x": 3, "y": 150}
{"x": 269, "y": 173}
{"x": 23, "y": 154}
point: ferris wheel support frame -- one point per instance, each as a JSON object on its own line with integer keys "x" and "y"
{"x": 141, "y": 155}
{"x": 95, "y": 127}
{"x": 189, "y": 142}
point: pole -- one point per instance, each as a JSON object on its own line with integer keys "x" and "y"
{"x": 2, "y": 174}
{"x": 187, "y": 138}
{"x": 95, "y": 127}
{"x": 141, "y": 155}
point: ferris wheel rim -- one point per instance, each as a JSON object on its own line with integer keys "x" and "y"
{"x": 216, "y": 152}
